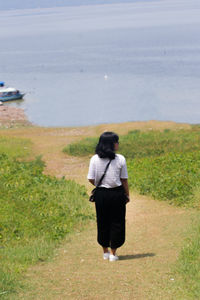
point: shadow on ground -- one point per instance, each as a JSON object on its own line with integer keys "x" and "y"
{"x": 135, "y": 256}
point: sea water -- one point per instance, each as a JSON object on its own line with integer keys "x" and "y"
{"x": 103, "y": 63}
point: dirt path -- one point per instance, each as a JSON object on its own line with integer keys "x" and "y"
{"x": 155, "y": 233}
{"x": 154, "y": 238}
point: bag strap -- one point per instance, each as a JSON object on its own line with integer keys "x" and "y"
{"x": 102, "y": 177}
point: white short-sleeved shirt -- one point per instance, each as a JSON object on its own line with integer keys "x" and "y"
{"x": 116, "y": 170}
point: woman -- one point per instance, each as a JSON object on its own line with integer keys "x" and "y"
{"x": 112, "y": 194}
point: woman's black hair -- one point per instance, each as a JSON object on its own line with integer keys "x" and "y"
{"x": 106, "y": 145}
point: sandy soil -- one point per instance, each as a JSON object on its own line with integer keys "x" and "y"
{"x": 12, "y": 117}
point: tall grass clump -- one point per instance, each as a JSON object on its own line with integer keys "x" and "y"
{"x": 143, "y": 144}
{"x": 138, "y": 144}
{"x": 172, "y": 177}
{"x": 36, "y": 212}
{"x": 83, "y": 148}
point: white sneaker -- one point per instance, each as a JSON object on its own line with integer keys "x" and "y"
{"x": 113, "y": 257}
{"x": 106, "y": 255}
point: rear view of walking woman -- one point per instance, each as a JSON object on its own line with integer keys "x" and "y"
{"x": 112, "y": 194}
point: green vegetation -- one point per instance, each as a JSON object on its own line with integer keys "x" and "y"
{"x": 37, "y": 211}
{"x": 138, "y": 144}
{"x": 187, "y": 268}
{"x": 15, "y": 147}
{"x": 82, "y": 148}
{"x": 173, "y": 177}
{"x": 164, "y": 164}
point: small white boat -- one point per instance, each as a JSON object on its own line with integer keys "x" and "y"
{"x": 9, "y": 93}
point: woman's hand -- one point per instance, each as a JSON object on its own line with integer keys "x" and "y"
{"x": 127, "y": 199}
{"x": 124, "y": 182}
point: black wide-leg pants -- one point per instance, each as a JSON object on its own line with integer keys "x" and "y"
{"x": 110, "y": 212}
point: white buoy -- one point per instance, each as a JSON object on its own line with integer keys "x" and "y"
{"x": 105, "y": 76}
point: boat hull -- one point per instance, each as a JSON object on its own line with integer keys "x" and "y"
{"x": 11, "y": 98}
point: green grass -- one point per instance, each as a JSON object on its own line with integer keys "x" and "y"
{"x": 37, "y": 212}
{"x": 144, "y": 144}
{"x": 15, "y": 147}
{"x": 187, "y": 269}
{"x": 164, "y": 164}
{"x": 84, "y": 147}
{"x": 172, "y": 177}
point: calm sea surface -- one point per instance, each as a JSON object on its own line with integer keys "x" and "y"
{"x": 93, "y": 64}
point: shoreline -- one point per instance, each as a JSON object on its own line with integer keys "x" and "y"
{"x": 13, "y": 117}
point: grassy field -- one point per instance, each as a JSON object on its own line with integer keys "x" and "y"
{"x": 165, "y": 165}
{"x": 37, "y": 211}
{"x": 173, "y": 177}
{"x": 139, "y": 144}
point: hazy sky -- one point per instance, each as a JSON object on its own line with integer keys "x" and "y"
{"x": 20, "y": 4}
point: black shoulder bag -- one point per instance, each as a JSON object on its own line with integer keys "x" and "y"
{"x": 92, "y": 196}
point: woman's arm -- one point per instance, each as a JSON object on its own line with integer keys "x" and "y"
{"x": 91, "y": 181}
{"x": 126, "y": 188}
